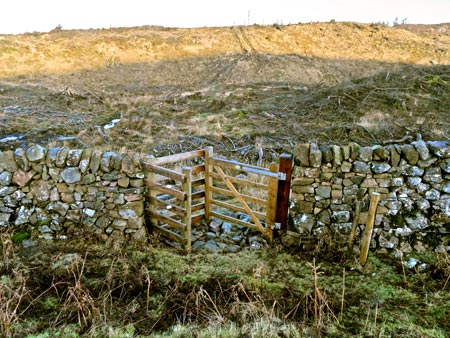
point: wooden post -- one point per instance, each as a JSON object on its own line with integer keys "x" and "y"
{"x": 356, "y": 215}
{"x": 272, "y": 197}
{"x": 151, "y": 177}
{"x": 284, "y": 189}
{"x": 209, "y": 153}
{"x": 375, "y": 197}
{"x": 187, "y": 204}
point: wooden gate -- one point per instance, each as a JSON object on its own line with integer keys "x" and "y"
{"x": 200, "y": 186}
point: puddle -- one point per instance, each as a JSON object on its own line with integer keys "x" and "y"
{"x": 111, "y": 124}
{"x": 11, "y": 138}
{"x": 17, "y": 110}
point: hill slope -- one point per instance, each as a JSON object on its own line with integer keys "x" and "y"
{"x": 174, "y": 89}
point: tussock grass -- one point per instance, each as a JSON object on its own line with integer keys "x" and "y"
{"x": 73, "y": 289}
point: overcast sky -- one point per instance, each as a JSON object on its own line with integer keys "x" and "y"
{"x": 18, "y": 16}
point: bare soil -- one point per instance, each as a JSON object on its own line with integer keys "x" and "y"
{"x": 179, "y": 89}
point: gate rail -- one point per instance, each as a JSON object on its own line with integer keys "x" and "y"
{"x": 211, "y": 184}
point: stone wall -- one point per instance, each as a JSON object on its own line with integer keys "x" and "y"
{"x": 60, "y": 192}
{"x": 413, "y": 180}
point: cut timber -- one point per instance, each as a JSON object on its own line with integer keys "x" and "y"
{"x": 172, "y": 174}
{"x": 245, "y": 197}
{"x": 257, "y": 185}
{"x": 168, "y": 233}
{"x": 272, "y": 197}
{"x": 165, "y": 190}
{"x": 234, "y": 207}
{"x": 234, "y": 220}
{"x": 178, "y": 157}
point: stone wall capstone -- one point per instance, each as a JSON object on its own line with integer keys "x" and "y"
{"x": 413, "y": 180}
{"x": 63, "y": 192}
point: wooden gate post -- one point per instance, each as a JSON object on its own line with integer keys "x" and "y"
{"x": 284, "y": 190}
{"x": 187, "y": 204}
{"x": 209, "y": 153}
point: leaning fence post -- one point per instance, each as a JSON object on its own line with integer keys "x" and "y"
{"x": 375, "y": 197}
{"x": 151, "y": 193}
{"x": 187, "y": 204}
{"x": 284, "y": 189}
{"x": 209, "y": 153}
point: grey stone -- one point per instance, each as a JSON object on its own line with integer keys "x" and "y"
{"x": 410, "y": 153}
{"x": 422, "y": 149}
{"x": 21, "y": 159}
{"x": 361, "y": 167}
{"x": 304, "y": 223}
{"x": 5, "y": 178}
{"x": 7, "y": 161}
{"x": 422, "y": 204}
{"x": 107, "y": 162}
{"x": 445, "y": 166}
{"x": 323, "y": 191}
{"x": 433, "y": 174}
{"x": 354, "y": 150}
{"x": 413, "y": 171}
{"x": 85, "y": 160}
{"x": 417, "y": 221}
{"x": 211, "y": 245}
{"x": 52, "y": 153}
{"x": 74, "y": 157}
{"x": 71, "y": 175}
{"x": 40, "y": 190}
{"x": 22, "y": 178}
{"x": 413, "y": 181}
{"x": 432, "y": 195}
{"x": 327, "y": 154}
{"x": 380, "y": 152}
{"x": 337, "y": 155}
{"x": 23, "y": 216}
{"x": 440, "y": 148}
{"x": 61, "y": 157}
{"x": 302, "y": 154}
{"x": 365, "y": 154}
{"x": 403, "y": 232}
{"x": 340, "y": 216}
{"x": 96, "y": 157}
{"x": 127, "y": 213}
{"x": 4, "y": 219}
{"x": 36, "y": 153}
{"x": 88, "y": 179}
{"x": 395, "y": 155}
{"x": 379, "y": 168}
{"x": 388, "y": 242}
{"x": 315, "y": 156}
{"x": 422, "y": 188}
{"x": 446, "y": 187}
{"x": 58, "y": 207}
{"x": 324, "y": 217}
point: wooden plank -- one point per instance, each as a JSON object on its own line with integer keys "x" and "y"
{"x": 244, "y": 167}
{"x": 284, "y": 190}
{"x": 178, "y": 157}
{"x": 197, "y": 218}
{"x": 151, "y": 177}
{"x": 167, "y": 206}
{"x": 198, "y": 182}
{"x": 209, "y": 151}
{"x": 167, "y": 220}
{"x": 198, "y": 168}
{"x": 172, "y": 174}
{"x": 164, "y": 190}
{"x": 356, "y": 216}
{"x": 245, "y": 197}
{"x": 235, "y": 208}
{"x": 272, "y": 196}
{"x": 365, "y": 244}
{"x": 168, "y": 233}
{"x": 265, "y": 231}
{"x": 235, "y": 164}
{"x": 197, "y": 207}
{"x": 187, "y": 204}
{"x": 198, "y": 194}
{"x": 234, "y": 220}
{"x": 240, "y": 181}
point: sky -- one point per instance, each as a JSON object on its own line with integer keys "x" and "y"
{"x": 20, "y": 16}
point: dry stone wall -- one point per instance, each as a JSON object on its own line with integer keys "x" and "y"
{"x": 413, "y": 180}
{"x": 62, "y": 192}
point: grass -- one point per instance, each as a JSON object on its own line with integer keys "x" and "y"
{"x": 69, "y": 289}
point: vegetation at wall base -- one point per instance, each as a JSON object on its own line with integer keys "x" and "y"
{"x": 84, "y": 288}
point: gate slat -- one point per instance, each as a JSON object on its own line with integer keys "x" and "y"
{"x": 235, "y": 207}
{"x": 257, "y": 185}
{"x": 172, "y": 235}
{"x": 245, "y": 197}
{"x": 162, "y": 189}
